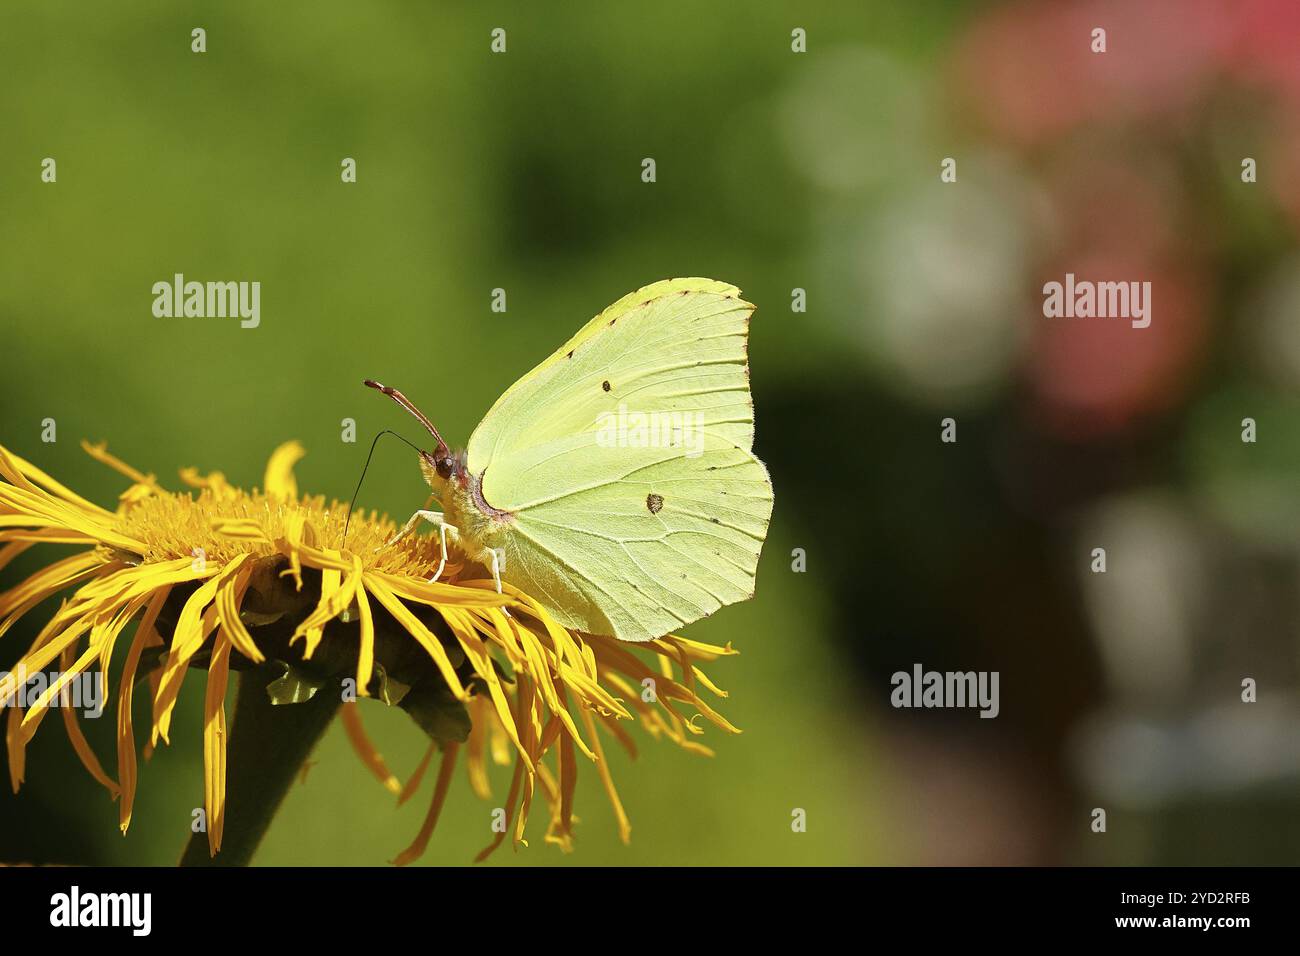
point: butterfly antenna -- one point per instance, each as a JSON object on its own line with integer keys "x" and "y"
{"x": 406, "y": 403}
{"x": 352, "y": 504}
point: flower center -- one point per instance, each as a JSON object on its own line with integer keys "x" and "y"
{"x": 220, "y": 524}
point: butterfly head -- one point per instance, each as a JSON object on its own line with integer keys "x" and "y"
{"x": 439, "y": 469}
{"x": 438, "y": 466}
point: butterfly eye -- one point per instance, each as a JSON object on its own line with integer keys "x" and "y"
{"x": 443, "y": 467}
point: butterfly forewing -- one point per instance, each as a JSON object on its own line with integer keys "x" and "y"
{"x": 625, "y": 461}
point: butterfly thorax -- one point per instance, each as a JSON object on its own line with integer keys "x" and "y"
{"x": 461, "y": 494}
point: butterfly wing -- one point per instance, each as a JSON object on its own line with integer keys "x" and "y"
{"x": 623, "y": 527}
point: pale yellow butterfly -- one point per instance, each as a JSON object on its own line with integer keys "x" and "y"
{"x": 615, "y": 482}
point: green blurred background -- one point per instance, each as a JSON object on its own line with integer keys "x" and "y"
{"x": 776, "y": 170}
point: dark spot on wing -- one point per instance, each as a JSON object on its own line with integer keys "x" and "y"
{"x": 570, "y": 353}
{"x": 605, "y": 385}
{"x": 715, "y": 521}
{"x": 654, "y": 502}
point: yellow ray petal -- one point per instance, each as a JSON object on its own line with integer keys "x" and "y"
{"x": 437, "y": 594}
{"x": 27, "y": 529}
{"x": 78, "y": 739}
{"x": 299, "y": 537}
{"x": 198, "y": 619}
{"x": 100, "y": 453}
{"x": 214, "y": 482}
{"x": 541, "y": 670}
{"x": 228, "y": 598}
{"x": 527, "y": 707}
{"x": 607, "y": 780}
{"x": 333, "y": 602}
{"x": 375, "y": 584}
{"x": 413, "y": 784}
{"x": 480, "y": 714}
{"x": 568, "y": 783}
{"x": 365, "y": 749}
{"x": 366, "y": 652}
{"x": 26, "y": 475}
{"x": 56, "y": 513}
{"x": 511, "y": 799}
{"x": 416, "y": 849}
{"x": 330, "y": 581}
{"x": 15, "y": 746}
{"x": 214, "y": 741}
{"x": 146, "y": 635}
{"x": 101, "y": 634}
{"x": 36, "y": 659}
{"x": 279, "y": 481}
{"x": 44, "y": 583}
{"x": 481, "y": 661}
{"x": 666, "y": 690}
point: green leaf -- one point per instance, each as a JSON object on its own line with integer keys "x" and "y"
{"x": 384, "y": 686}
{"x": 293, "y": 686}
{"x": 437, "y": 712}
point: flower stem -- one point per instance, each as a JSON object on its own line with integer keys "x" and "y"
{"x": 268, "y": 744}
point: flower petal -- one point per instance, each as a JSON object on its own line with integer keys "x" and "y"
{"x": 365, "y": 749}
{"x": 214, "y": 741}
{"x": 416, "y": 849}
{"x": 279, "y": 481}
{"x": 146, "y": 635}
{"x": 375, "y": 584}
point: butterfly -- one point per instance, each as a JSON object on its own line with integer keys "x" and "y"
{"x": 615, "y": 482}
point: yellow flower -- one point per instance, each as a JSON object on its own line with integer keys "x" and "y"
{"x": 226, "y": 579}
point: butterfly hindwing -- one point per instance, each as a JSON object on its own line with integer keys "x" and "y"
{"x": 645, "y": 554}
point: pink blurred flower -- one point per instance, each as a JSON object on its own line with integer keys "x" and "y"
{"x": 1095, "y": 376}
{"x": 1032, "y": 74}
{"x": 1265, "y": 47}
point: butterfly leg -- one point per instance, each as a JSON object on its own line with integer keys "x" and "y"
{"x": 443, "y": 529}
{"x": 496, "y": 568}
{"x": 493, "y": 558}
{"x": 433, "y": 517}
